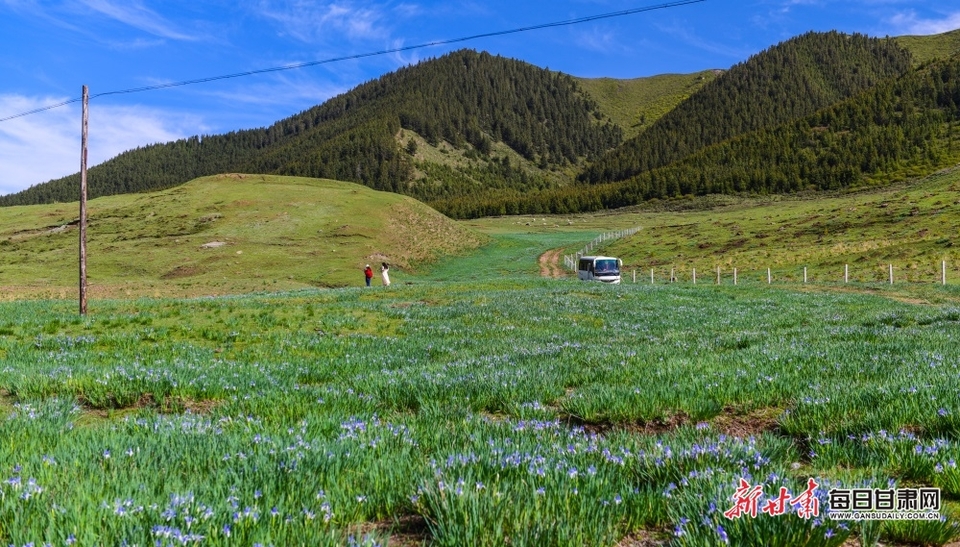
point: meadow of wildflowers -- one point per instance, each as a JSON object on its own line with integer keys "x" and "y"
{"x": 522, "y": 412}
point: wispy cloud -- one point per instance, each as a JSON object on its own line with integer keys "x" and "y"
{"x": 133, "y": 13}
{"x": 314, "y": 21}
{"x": 779, "y": 12}
{"x": 285, "y": 95}
{"x": 696, "y": 41}
{"x": 599, "y": 40}
{"x": 35, "y": 149}
{"x": 87, "y": 18}
{"x": 909, "y": 22}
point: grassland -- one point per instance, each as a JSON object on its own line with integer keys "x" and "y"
{"x": 928, "y": 48}
{"x": 634, "y": 104}
{"x": 474, "y": 403}
{"x": 489, "y": 410}
{"x": 224, "y": 235}
{"x": 912, "y": 226}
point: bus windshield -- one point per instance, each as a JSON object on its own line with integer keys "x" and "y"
{"x": 606, "y": 267}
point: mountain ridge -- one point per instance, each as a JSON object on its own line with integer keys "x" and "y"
{"x": 470, "y": 126}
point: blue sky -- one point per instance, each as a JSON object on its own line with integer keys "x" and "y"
{"x": 49, "y": 49}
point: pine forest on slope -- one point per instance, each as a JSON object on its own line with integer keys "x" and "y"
{"x": 473, "y": 134}
{"x": 903, "y": 128}
{"x": 783, "y": 83}
{"x": 468, "y": 99}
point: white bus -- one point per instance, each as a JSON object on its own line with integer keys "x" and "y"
{"x": 599, "y": 268}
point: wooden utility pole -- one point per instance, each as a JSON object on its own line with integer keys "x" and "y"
{"x": 83, "y": 205}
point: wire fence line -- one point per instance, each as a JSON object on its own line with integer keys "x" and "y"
{"x": 718, "y": 275}
{"x": 799, "y": 275}
{"x": 570, "y": 261}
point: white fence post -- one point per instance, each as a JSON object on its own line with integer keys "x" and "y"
{"x": 846, "y": 273}
{"x": 769, "y": 278}
{"x": 734, "y": 276}
{"x": 694, "y": 276}
{"x": 804, "y": 274}
{"x": 718, "y": 275}
{"x": 891, "y": 274}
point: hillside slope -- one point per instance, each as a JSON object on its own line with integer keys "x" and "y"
{"x": 635, "y": 104}
{"x": 225, "y": 234}
{"x": 912, "y": 226}
{"x": 467, "y": 99}
{"x": 905, "y": 127}
{"x": 783, "y": 83}
{"x": 933, "y": 47}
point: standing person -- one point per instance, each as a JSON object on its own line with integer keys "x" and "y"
{"x": 385, "y": 272}
{"x": 368, "y": 274}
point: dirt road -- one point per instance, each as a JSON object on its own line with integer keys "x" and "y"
{"x": 550, "y": 264}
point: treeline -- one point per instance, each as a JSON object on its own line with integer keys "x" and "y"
{"x": 468, "y": 99}
{"x": 907, "y": 125}
{"x": 783, "y": 83}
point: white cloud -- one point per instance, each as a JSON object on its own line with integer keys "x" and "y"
{"x": 694, "y": 40}
{"x": 134, "y": 14}
{"x": 599, "y": 40}
{"x": 46, "y": 146}
{"x": 286, "y": 95}
{"x": 910, "y": 23}
{"x": 313, "y": 22}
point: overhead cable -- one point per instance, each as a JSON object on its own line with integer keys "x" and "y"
{"x": 306, "y": 64}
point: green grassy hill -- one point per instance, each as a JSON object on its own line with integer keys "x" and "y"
{"x": 928, "y": 48}
{"x": 635, "y": 104}
{"x": 912, "y": 225}
{"x": 466, "y": 100}
{"x": 224, "y": 234}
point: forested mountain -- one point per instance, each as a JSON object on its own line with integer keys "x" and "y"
{"x": 468, "y": 99}
{"x": 783, "y": 83}
{"x": 901, "y": 128}
{"x": 474, "y": 134}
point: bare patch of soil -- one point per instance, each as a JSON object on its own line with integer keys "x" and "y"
{"x": 148, "y": 400}
{"x": 550, "y": 264}
{"x": 736, "y": 423}
{"x": 652, "y": 427}
{"x": 405, "y": 531}
{"x": 645, "y": 538}
{"x": 732, "y": 421}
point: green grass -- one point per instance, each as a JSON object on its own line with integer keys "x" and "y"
{"x": 929, "y": 48}
{"x": 277, "y": 233}
{"x": 503, "y": 408}
{"x": 910, "y": 225}
{"x": 634, "y": 104}
{"x": 473, "y": 398}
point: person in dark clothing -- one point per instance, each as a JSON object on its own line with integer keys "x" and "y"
{"x": 368, "y": 274}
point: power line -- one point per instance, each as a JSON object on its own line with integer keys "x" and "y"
{"x": 294, "y": 66}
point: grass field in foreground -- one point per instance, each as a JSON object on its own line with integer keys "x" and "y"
{"x": 501, "y": 409}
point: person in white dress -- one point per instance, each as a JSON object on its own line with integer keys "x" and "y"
{"x": 385, "y": 272}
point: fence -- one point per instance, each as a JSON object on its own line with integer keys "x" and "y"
{"x": 570, "y": 261}
{"x": 736, "y": 274}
